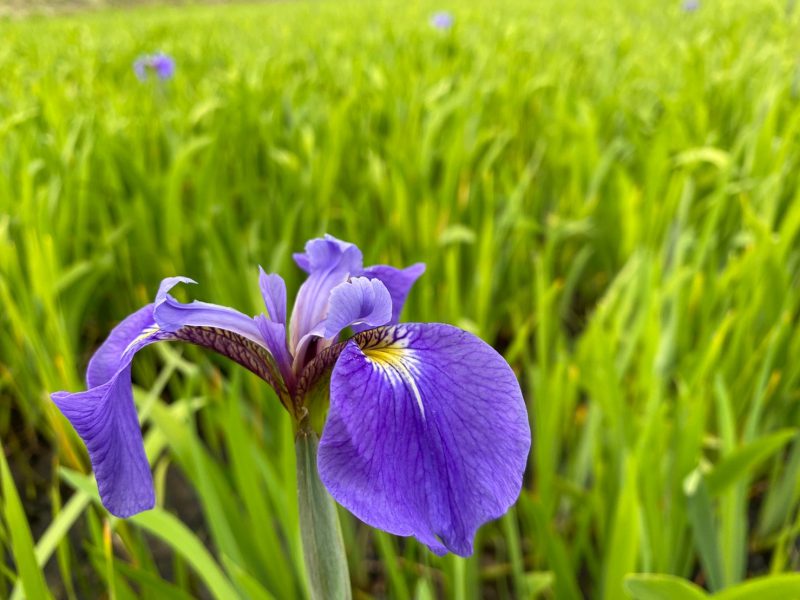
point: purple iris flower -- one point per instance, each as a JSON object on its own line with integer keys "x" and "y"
{"x": 691, "y": 5}
{"x": 442, "y": 20}
{"x": 426, "y": 435}
{"x": 160, "y": 64}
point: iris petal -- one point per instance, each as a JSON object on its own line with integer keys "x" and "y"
{"x": 427, "y": 433}
{"x": 171, "y": 315}
{"x": 273, "y": 289}
{"x": 397, "y": 281}
{"x": 329, "y": 252}
{"x": 330, "y": 262}
{"x": 359, "y": 301}
{"x": 302, "y": 261}
{"x": 105, "y": 418}
{"x": 105, "y": 362}
{"x": 222, "y": 329}
{"x": 274, "y": 335}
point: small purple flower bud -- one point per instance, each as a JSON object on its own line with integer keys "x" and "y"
{"x": 162, "y": 65}
{"x": 442, "y": 20}
{"x": 691, "y": 5}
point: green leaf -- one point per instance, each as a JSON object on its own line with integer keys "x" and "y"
{"x": 781, "y": 494}
{"x": 744, "y": 460}
{"x": 714, "y": 156}
{"x": 56, "y": 531}
{"x": 149, "y": 583}
{"x": 538, "y": 582}
{"x": 21, "y": 540}
{"x": 646, "y": 586}
{"x": 704, "y": 529}
{"x": 772, "y": 587}
{"x": 172, "y": 532}
{"x": 252, "y": 589}
{"x": 388, "y": 553}
{"x": 565, "y": 584}
{"x": 624, "y": 543}
{"x": 323, "y": 548}
{"x": 424, "y": 591}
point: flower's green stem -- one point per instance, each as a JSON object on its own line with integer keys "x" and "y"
{"x": 323, "y": 548}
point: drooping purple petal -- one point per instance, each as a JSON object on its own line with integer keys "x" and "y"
{"x": 106, "y": 360}
{"x": 105, "y": 418}
{"x": 397, "y": 281}
{"x": 330, "y": 262}
{"x": 427, "y": 433}
{"x": 273, "y": 289}
{"x": 171, "y": 315}
{"x": 104, "y": 415}
{"x": 359, "y": 301}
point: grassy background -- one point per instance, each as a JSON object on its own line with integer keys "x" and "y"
{"x": 605, "y": 191}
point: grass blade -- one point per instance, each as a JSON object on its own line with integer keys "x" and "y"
{"x": 30, "y": 576}
{"x": 172, "y": 532}
{"x": 646, "y": 586}
{"x": 704, "y": 529}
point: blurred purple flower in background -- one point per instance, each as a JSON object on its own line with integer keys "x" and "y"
{"x": 691, "y": 5}
{"x": 442, "y": 20}
{"x": 160, "y": 64}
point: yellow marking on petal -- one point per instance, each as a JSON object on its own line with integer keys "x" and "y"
{"x": 386, "y": 356}
{"x": 397, "y": 364}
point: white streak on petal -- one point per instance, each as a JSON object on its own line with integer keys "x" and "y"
{"x": 391, "y": 362}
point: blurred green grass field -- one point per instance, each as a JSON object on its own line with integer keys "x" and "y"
{"x": 605, "y": 191}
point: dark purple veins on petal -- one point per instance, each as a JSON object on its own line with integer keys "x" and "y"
{"x": 238, "y": 348}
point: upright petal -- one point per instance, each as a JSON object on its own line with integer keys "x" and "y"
{"x": 330, "y": 262}
{"x": 427, "y": 433}
{"x": 359, "y": 301}
{"x": 273, "y": 289}
{"x": 274, "y": 335}
{"x": 397, "y": 281}
{"x": 302, "y": 261}
{"x": 329, "y": 252}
